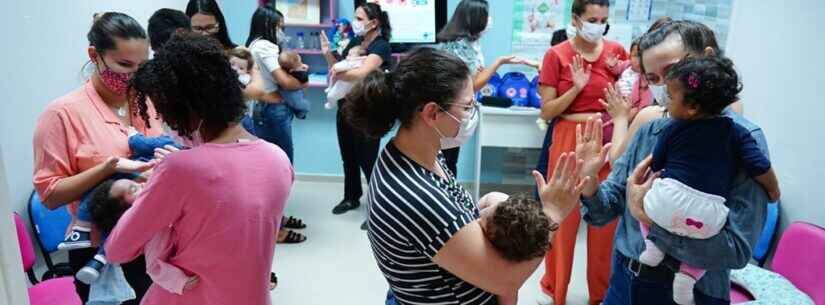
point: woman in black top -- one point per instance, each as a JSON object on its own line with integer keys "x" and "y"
{"x": 372, "y": 30}
{"x": 424, "y": 227}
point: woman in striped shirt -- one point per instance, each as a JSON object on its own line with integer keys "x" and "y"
{"x": 423, "y": 226}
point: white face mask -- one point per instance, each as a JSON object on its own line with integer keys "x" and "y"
{"x": 592, "y": 32}
{"x": 358, "y": 28}
{"x": 466, "y": 129}
{"x": 660, "y": 94}
{"x": 571, "y": 31}
{"x": 281, "y": 37}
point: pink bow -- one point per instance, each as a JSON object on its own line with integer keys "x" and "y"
{"x": 697, "y": 224}
{"x": 693, "y": 80}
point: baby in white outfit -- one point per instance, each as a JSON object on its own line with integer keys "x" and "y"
{"x": 339, "y": 89}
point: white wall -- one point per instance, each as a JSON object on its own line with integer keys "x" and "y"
{"x": 43, "y": 51}
{"x": 780, "y": 53}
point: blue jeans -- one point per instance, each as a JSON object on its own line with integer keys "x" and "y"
{"x": 272, "y": 123}
{"x": 626, "y": 288}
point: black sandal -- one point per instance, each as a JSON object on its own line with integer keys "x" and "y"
{"x": 273, "y": 281}
{"x": 290, "y": 222}
{"x": 293, "y": 237}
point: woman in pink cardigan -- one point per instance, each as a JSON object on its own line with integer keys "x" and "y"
{"x": 223, "y": 199}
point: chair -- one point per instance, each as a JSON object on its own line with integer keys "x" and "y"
{"x": 768, "y": 235}
{"x": 58, "y": 291}
{"x": 800, "y": 257}
{"x": 49, "y": 226}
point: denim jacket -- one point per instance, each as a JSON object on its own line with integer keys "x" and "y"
{"x": 730, "y": 249}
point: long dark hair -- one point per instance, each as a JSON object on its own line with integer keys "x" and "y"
{"x": 469, "y": 20}
{"x": 111, "y": 25}
{"x": 264, "y": 22}
{"x": 425, "y": 75}
{"x": 211, "y": 8}
{"x": 189, "y": 78}
{"x": 374, "y": 11}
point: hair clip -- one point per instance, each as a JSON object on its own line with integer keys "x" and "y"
{"x": 693, "y": 80}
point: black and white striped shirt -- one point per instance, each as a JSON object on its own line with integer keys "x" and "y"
{"x": 412, "y": 214}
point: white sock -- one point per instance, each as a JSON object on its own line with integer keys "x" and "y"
{"x": 651, "y": 256}
{"x": 683, "y": 288}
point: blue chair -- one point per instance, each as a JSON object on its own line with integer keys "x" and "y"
{"x": 49, "y": 227}
{"x": 768, "y": 235}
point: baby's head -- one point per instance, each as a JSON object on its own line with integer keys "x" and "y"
{"x": 241, "y": 60}
{"x": 517, "y": 228}
{"x": 701, "y": 86}
{"x": 291, "y": 62}
{"x": 355, "y": 51}
{"x": 109, "y": 200}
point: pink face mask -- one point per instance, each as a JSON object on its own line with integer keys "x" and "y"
{"x": 118, "y": 82}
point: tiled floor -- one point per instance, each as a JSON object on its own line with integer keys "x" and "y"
{"x": 335, "y": 265}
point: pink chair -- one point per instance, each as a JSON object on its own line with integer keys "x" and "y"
{"x": 800, "y": 257}
{"x": 58, "y": 291}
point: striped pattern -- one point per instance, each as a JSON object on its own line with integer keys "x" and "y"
{"x": 412, "y": 214}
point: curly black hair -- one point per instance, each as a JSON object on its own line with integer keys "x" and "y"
{"x": 519, "y": 229}
{"x": 709, "y": 82}
{"x": 189, "y": 79}
{"x": 104, "y": 209}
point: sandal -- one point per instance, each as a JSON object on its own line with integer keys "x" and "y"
{"x": 290, "y": 222}
{"x": 273, "y": 281}
{"x": 293, "y": 237}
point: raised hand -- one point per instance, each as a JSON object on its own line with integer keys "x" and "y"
{"x": 324, "y": 42}
{"x": 560, "y": 194}
{"x": 581, "y": 73}
{"x": 617, "y": 104}
{"x": 612, "y": 60}
{"x": 590, "y": 149}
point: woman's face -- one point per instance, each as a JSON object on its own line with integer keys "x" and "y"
{"x": 658, "y": 59}
{"x": 126, "y": 189}
{"x": 361, "y": 16}
{"x": 462, "y": 108}
{"x": 593, "y": 13}
{"x": 205, "y": 24}
{"x": 126, "y": 57}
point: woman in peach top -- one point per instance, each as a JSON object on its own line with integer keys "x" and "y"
{"x": 82, "y": 137}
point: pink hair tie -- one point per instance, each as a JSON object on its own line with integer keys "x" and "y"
{"x": 693, "y": 80}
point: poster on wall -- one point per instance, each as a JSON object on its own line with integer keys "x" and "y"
{"x": 413, "y": 21}
{"x": 300, "y": 11}
{"x": 636, "y": 16}
{"x": 534, "y": 22}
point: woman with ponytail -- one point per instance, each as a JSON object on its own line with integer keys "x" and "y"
{"x": 423, "y": 226}
{"x": 359, "y": 152}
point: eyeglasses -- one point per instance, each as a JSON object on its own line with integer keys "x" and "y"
{"x": 207, "y": 29}
{"x": 471, "y": 109}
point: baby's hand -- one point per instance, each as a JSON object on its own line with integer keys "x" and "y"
{"x": 612, "y": 60}
{"x": 191, "y": 283}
